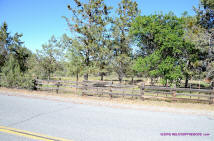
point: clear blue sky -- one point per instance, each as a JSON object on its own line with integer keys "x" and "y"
{"x": 38, "y": 20}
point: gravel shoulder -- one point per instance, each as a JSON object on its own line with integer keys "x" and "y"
{"x": 148, "y": 105}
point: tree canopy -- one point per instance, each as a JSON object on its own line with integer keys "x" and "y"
{"x": 13, "y": 59}
{"x": 164, "y": 50}
{"x": 118, "y": 40}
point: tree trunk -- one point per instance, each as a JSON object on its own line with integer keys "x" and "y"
{"x": 87, "y": 61}
{"x": 86, "y": 76}
{"x": 132, "y": 80}
{"x": 101, "y": 76}
{"x": 120, "y": 78}
{"x": 77, "y": 76}
{"x": 186, "y": 81}
{"x": 151, "y": 82}
{"x": 166, "y": 84}
{"x": 49, "y": 76}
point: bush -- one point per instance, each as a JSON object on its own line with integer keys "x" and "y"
{"x": 12, "y": 76}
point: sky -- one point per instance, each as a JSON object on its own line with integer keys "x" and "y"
{"x": 38, "y": 20}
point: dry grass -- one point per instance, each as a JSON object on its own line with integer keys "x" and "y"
{"x": 118, "y": 100}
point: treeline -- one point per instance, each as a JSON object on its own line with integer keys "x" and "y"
{"x": 106, "y": 40}
{"x": 14, "y": 60}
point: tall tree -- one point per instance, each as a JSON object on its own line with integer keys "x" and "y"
{"x": 73, "y": 63}
{"x": 205, "y": 19}
{"x": 195, "y": 34}
{"x": 127, "y": 11}
{"x": 12, "y": 45}
{"x": 88, "y": 24}
{"x": 161, "y": 38}
{"x": 49, "y": 57}
{"x": 5, "y": 43}
{"x": 205, "y": 13}
{"x": 13, "y": 59}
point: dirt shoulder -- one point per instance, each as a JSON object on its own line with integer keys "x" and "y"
{"x": 158, "y": 106}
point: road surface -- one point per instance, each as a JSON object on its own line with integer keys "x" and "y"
{"x": 83, "y": 122}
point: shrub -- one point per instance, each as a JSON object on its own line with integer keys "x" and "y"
{"x": 12, "y": 76}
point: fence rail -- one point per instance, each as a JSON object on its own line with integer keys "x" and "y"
{"x": 143, "y": 92}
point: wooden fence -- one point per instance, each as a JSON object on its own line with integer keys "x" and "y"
{"x": 103, "y": 88}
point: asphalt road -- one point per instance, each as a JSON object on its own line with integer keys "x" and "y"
{"x": 82, "y": 122}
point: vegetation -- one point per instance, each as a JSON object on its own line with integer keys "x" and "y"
{"x": 126, "y": 43}
{"x": 205, "y": 19}
{"x": 14, "y": 60}
{"x": 164, "y": 51}
{"x": 48, "y": 58}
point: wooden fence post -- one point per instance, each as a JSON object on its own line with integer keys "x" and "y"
{"x": 58, "y": 84}
{"x": 142, "y": 91}
{"x": 110, "y": 90}
{"x": 76, "y": 87}
{"x": 211, "y": 97}
{"x": 34, "y": 84}
{"x": 123, "y": 90}
{"x": 190, "y": 90}
{"x": 174, "y": 92}
{"x": 132, "y": 92}
{"x": 57, "y": 90}
{"x": 84, "y": 88}
{"x": 199, "y": 85}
